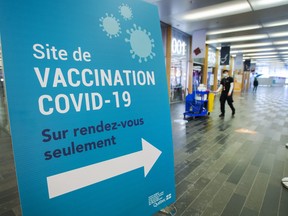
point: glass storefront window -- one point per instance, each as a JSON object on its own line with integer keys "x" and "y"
{"x": 211, "y": 66}
{"x": 179, "y": 66}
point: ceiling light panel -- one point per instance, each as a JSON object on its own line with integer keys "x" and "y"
{"x": 262, "y": 4}
{"x": 268, "y": 60}
{"x": 239, "y": 38}
{"x": 263, "y": 57}
{"x": 282, "y": 48}
{"x": 265, "y": 62}
{"x": 278, "y": 34}
{"x": 218, "y": 10}
{"x": 280, "y": 42}
{"x": 251, "y": 45}
{"x": 252, "y": 50}
{"x": 237, "y": 29}
{"x": 260, "y": 54}
{"x": 278, "y": 23}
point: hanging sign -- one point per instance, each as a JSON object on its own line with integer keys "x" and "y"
{"x": 199, "y": 44}
{"x": 86, "y": 87}
{"x": 239, "y": 62}
{"x": 225, "y": 55}
{"x": 247, "y": 64}
{"x": 211, "y": 58}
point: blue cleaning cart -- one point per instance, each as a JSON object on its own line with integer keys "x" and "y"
{"x": 196, "y": 104}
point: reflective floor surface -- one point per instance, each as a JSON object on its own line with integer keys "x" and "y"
{"x": 223, "y": 166}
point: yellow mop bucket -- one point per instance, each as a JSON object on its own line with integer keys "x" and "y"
{"x": 211, "y": 97}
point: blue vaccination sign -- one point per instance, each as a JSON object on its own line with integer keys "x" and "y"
{"x": 88, "y": 107}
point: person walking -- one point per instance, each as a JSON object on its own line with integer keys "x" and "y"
{"x": 226, "y": 88}
{"x": 285, "y": 179}
{"x": 255, "y": 84}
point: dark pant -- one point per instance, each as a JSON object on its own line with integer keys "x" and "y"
{"x": 223, "y": 99}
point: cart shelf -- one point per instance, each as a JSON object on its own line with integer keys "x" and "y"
{"x": 196, "y": 104}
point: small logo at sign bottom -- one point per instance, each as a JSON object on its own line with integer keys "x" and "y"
{"x": 158, "y": 198}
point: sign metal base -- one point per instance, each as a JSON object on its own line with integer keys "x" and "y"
{"x": 169, "y": 210}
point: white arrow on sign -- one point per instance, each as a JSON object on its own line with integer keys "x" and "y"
{"x": 72, "y": 180}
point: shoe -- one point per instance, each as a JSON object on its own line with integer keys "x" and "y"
{"x": 233, "y": 112}
{"x": 285, "y": 182}
{"x": 221, "y": 115}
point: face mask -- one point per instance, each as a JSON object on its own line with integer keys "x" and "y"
{"x": 225, "y": 75}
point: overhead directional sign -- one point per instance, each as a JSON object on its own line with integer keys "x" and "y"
{"x": 88, "y": 106}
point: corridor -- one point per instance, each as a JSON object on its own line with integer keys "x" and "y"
{"x": 234, "y": 166}
{"x": 223, "y": 166}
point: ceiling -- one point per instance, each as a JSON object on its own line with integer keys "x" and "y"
{"x": 189, "y": 16}
{"x": 262, "y": 16}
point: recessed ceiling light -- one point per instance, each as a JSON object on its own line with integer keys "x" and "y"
{"x": 228, "y": 30}
{"x": 280, "y": 42}
{"x": 279, "y": 34}
{"x": 262, "y": 4}
{"x": 262, "y": 57}
{"x": 282, "y": 48}
{"x": 238, "y": 38}
{"x": 252, "y": 50}
{"x": 251, "y": 45}
{"x": 218, "y": 10}
{"x": 277, "y": 23}
{"x": 270, "y": 60}
{"x": 260, "y": 54}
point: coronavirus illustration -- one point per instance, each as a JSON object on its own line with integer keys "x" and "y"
{"x": 125, "y": 11}
{"x": 110, "y": 25}
{"x": 141, "y": 43}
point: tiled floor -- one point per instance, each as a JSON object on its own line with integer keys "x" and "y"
{"x": 9, "y": 201}
{"x": 228, "y": 167}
